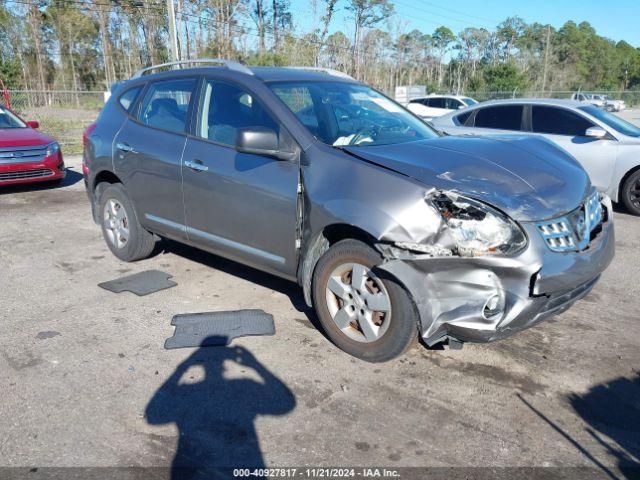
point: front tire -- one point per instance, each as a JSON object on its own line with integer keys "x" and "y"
{"x": 122, "y": 232}
{"x": 363, "y": 311}
{"x": 630, "y": 193}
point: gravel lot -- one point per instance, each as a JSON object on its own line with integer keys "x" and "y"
{"x": 85, "y": 381}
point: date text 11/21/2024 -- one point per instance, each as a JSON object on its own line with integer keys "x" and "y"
{"x": 320, "y": 472}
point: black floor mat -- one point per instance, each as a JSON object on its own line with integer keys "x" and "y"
{"x": 141, "y": 284}
{"x": 218, "y": 328}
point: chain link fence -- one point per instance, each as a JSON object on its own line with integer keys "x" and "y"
{"x": 63, "y": 115}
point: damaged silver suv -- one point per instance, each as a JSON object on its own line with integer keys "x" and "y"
{"x": 392, "y": 231}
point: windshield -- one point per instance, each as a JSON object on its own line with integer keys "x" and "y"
{"x": 9, "y": 120}
{"x": 613, "y": 121}
{"x": 469, "y": 101}
{"x": 338, "y": 114}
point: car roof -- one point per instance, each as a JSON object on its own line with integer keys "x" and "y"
{"x": 439, "y": 95}
{"x": 559, "y": 102}
{"x": 265, "y": 74}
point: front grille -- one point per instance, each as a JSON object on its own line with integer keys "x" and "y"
{"x": 573, "y": 231}
{"x": 20, "y": 174}
{"x": 22, "y": 154}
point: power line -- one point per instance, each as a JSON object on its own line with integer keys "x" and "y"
{"x": 490, "y": 20}
{"x": 440, "y": 15}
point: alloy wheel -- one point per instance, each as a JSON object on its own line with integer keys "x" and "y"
{"x": 358, "y": 302}
{"x": 116, "y": 223}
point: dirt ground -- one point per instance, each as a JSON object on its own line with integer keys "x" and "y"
{"x": 85, "y": 380}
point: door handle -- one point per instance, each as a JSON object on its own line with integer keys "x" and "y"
{"x": 123, "y": 146}
{"x": 196, "y": 165}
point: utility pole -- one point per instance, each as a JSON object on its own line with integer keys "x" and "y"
{"x": 546, "y": 59}
{"x": 173, "y": 34}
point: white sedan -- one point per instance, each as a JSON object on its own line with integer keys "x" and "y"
{"x": 607, "y": 146}
{"x": 434, "y": 106}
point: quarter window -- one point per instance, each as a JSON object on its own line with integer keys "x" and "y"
{"x": 166, "y": 104}
{"x": 504, "y": 117}
{"x": 462, "y": 118}
{"x": 129, "y": 97}
{"x": 558, "y": 121}
{"x": 226, "y": 109}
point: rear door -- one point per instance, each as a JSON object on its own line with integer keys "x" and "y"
{"x": 148, "y": 153}
{"x": 240, "y": 205}
{"x": 567, "y": 129}
{"x": 499, "y": 119}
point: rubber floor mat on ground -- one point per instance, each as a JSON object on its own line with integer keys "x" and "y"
{"x": 218, "y": 328}
{"x": 141, "y": 284}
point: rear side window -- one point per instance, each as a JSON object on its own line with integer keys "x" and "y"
{"x": 438, "y": 102}
{"x": 128, "y": 98}
{"x": 462, "y": 118}
{"x": 504, "y": 117}
{"x": 558, "y": 121}
{"x": 226, "y": 109}
{"x": 166, "y": 104}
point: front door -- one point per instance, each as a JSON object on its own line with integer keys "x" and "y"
{"x": 240, "y": 205}
{"x": 148, "y": 154}
{"x": 567, "y": 129}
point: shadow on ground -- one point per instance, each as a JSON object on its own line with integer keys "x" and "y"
{"x": 612, "y": 411}
{"x": 215, "y": 414}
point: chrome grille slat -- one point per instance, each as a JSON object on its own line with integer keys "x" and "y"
{"x": 21, "y": 174}
{"x": 22, "y": 154}
{"x": 572, "y": 232}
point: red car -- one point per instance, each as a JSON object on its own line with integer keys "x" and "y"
{"x": 27, "y": 155}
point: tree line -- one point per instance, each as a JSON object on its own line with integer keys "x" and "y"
{"x": 89, "y": 44}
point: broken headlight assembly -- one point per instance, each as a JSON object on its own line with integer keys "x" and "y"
{"x": 478, "y": 229}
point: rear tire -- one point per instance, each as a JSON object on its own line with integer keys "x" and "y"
{"x": 122, "y": 232}
{"x": 630, "y": 193}
{"x": 374, "y": 318}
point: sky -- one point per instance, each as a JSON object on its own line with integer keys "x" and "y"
{"x": 615, "y": 19}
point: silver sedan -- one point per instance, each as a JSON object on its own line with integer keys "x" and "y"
{"x": 607, "y": 146}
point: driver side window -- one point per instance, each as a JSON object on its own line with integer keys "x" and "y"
{"x": 227, "y": 109}
{"x": 558, "y": 121}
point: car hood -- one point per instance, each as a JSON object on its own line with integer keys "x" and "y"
{"x": 527, "y": 177}
{"x": 22, "y": 137}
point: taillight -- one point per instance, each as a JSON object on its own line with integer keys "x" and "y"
{"x": 87, "y": 133}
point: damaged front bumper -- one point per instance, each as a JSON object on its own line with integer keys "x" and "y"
{"x": 481, "y": 299}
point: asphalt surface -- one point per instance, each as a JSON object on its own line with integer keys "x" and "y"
{"x": 85, "y": 380}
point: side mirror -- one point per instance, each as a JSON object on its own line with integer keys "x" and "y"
{"x": 596, "y": 132}
{"x": 258, "y": 140}
{"x": 461, "y": 107}
{"x": 34, "y": 124}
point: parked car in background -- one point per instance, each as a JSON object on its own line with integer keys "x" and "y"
{"x": 588, "y": 98}
{"x": 610, "y": 104}
{"x": 607, "y": 146}
{"x": 26, "y": 155}
{"x": 436, "y": 105}
{"x": 391, "y": 229}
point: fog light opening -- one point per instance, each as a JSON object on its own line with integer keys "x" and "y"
{"x": 493, "y": 307}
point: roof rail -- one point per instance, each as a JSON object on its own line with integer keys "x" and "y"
{"x": 230, "y": 64}
{"x": 328, "y": 71}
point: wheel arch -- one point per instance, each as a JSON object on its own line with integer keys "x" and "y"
{"x": 318, "y": 245}
{"x": 104, "y": 177}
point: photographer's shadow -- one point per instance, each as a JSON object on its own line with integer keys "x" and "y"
{"x": 214, "y": 414}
